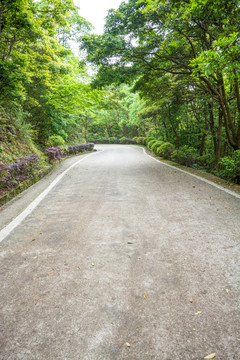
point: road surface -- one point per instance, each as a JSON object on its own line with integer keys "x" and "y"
{"x": 124, "y": 258}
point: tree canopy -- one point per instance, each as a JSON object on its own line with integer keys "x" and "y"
{"x": 163, "y": 68}
{"x": 196, "y": 40}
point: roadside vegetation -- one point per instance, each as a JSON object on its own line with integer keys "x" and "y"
{"x": 166, "y": 75}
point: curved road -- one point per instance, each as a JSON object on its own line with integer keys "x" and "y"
{"x": 124, "y": 258}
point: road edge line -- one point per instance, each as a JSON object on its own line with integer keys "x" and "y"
{"x": 195, "y": 176}
{"x": 17, "y": 221}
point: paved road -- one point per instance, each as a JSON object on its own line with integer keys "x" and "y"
{"x": 122, "y": 251}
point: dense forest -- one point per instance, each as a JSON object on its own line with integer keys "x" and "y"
{"x": 165, "y": 73}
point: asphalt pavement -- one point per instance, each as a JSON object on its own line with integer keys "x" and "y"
{"x": 117, "y": 256}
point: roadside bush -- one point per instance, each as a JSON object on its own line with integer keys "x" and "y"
{"x": 149, "y": 138}
{"x": 229, "y": 168}
{"x": 101, "y": 141}
{"x": 185, "y": 155}
{"x": 54, "y": 153}
{"x": 23, "y": 167}
{"x": 112, "y": 140}
{"x": 55, "y": 140}
{"x": 141, "y": 140}
{"x": 165, "y": 150}
{"x": 75, "y": 149}
{"x": 206, "y": 162}
{"x": 150, "y": 143}
{"x": 125, "y": 140}
{"x": 156, "y": 145}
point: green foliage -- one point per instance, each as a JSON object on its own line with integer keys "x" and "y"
{"x": 165, "y": 150}
{"x": 55, "y": 140}
{"x": 39, "y": 75}
{"x": 112, "y": 140}
{"x": 150, "y": 141}
{"x": 141, "y": 140}
{"x": 185, "y": 155}
{"x": 156, "y": 145}
{"x": 165, "y": 70}
{"x": 123, "y": 140}
{"x": 117, "y": 112}
{"x": 229, "y": 168}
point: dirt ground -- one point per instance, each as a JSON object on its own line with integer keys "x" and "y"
{"x": 125, "y": 258}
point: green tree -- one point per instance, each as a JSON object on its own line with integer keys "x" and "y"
{"x": 196, "y": 39}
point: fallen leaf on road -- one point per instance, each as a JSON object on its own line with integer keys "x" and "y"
{"x": 211, "y": 356}
{"x": 191, "y": 300}
{"x": 197, "y": 313}
{"x": 79, "y": 268}
{"x": 145, "y": 295}
{"x": 227, "y": 291}
{"x": 93, "y": 264}
{"x": 33, "y": 239}
{"x": 127, "y": 344}
{"x": 130, "y": 242}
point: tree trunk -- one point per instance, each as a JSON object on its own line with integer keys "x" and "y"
{"x": 204, "y": 139}
{"x": 219, "y": 139}
{"x": 173, "y": 127}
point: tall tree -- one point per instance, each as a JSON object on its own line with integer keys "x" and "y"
{"x": 196, "y": 38}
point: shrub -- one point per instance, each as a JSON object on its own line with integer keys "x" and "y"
{"x": 13, "y": 174}
{"x": 149, "y": 138}
{"x": 141, "y": 140}
{"x": 150, "y": 143}
{"x": 111, "y": 140}
{"x": 54, "y": 153}
{"x": 102, "y": 141}
{"x": 122, "y": 140}
{"x": 75, "y": 149}
{"x": 89, "y": 146}
{"x": 55, "y": 140}
{"x": 24, "y": 165}
{"x": 156, "y": 145}
{"x": 206, "y": 162}
{"x": 236, "y": 157}
{"x": 165, "y": 150}
{"x": 230, "y": 167}
{"x": 125, "y": 140}
{"x": 185, "y": 155}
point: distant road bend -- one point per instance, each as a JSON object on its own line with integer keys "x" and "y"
{"x": 117, "y": 256}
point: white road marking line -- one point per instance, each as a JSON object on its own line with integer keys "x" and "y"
{"x": 195, "y": 176}
{"x": 13, "y": 224}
